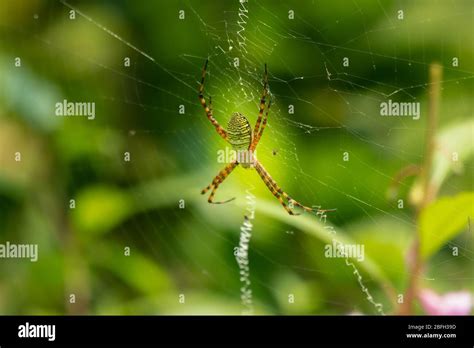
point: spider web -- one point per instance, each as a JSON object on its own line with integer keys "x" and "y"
{"x": 239, "y": 38}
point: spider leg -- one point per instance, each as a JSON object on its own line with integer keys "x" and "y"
{"x": 220, "y": 177}
{"x": 213, "y": 192}
{"x": 314, "y": 209}
{"x": 262, "y": 104}
{"x": 264, "y": 123}
{"x": 278, "y": 193}
{"x": 208, "y": 109}
{"x": 272, "y": 186}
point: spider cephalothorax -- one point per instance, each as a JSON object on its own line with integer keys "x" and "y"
{"x": 240, "y": 136}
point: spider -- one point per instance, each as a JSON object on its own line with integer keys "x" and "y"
{"x": 240, "y": 136}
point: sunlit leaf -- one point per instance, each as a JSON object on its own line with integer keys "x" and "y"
{"x": 454, "y": 146}
{"x": 99, "y": 209}
{"x": 442, "y": 220}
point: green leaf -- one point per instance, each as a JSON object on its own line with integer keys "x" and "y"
{"x": 453, "y": 141}
{"x": 137, "y": 270}
{"x": 442, "y": 220}
{"x": 34, "y": 107}
{"x": 454, "y": 146}
{"x": 156, "y": 194}
{"x": 387, "y": 250}
{"x": 100, "y": 208}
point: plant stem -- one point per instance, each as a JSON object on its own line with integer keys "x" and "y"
{"x": 429, "y": 193}
{"x": 436, "y": 72}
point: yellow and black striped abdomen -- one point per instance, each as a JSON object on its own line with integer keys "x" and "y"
{"x": 239, "y": 132}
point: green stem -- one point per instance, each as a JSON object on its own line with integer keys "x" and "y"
{"x": 429, "y": 192}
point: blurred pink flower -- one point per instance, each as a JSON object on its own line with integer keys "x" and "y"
{"x": 451, "y": 303}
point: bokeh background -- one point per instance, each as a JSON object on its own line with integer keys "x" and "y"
{"x": 189, "y": 250}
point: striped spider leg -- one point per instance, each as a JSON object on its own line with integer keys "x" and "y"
{"x": 257, "y": 133}
{"x": 220, "y": 177}
{"x": 262, "y": 172}
{"x": 282, "y": 195}
{"x": 208, "y": 109}
{"x": 240, "y": 136}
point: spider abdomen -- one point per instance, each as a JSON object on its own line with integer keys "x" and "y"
{"x": 239, "y": 132}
